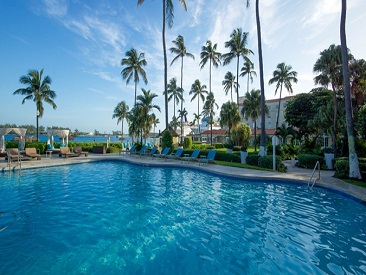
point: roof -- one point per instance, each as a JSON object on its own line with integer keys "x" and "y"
{"x": 214, "y": 132}
{"x": 270, "y": 132}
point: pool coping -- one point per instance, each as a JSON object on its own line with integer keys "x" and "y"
{"x": 293, "y": 173}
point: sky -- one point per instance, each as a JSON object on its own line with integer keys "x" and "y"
{"x": 80, "y": 45}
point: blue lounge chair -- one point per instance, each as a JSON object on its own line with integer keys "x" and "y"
{"x": 194, "y": 156}
{"x": 142, "y": 151}
{"x": 176, "y": 155}
{"x": 210, "y": 157}
{"x": 163, "y": 154}
{"x": 132, "y": 150}
{"x": 150, "y": 153}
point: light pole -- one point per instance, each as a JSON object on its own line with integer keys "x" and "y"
{"x": 37, "y": 124}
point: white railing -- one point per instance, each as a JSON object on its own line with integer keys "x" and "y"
{"x": 317, "y": 165}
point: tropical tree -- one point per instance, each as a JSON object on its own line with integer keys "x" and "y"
{"x": 229, "y": 115}
{"x": 155, "y": 121}
{"x": 181, "y": 51}
{"x": 38, "y": 90}
{"x": 120, "y": 112}
{"x": 209, "y": 53}
{"x": 262, "y": 150}
{"x": 168, "y": 16}
{"x": 182, "y": 115}
{"x": 252, "y": 110}
{"x": 174, "y": 93}
{"x": 237, "y": 47}
{"x": 283, "y": 132}
{"x": 134, "y": 63}
{"x": 198, "y": 91}
{"x": 248, "y": 70}
{"x": 229, "y": 83}
{"x": 174, "y": 123}
{"x": 283, "y": 76}
{"x": 354, "y": 169}
{"x": 209, "y": 109}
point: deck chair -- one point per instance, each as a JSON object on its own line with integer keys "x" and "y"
{"x": 210, "y": 157}
{"x": 162, "y": 154}
{"x": 78, "y": 150}
{"x": 65, "y": 152}
{"x": 150, "y": 153}
{"x": 32, "y": 153}
{"x": 194, "y": 156}
{"x": 142, "y": 151}
{"x": 176, "y": 155}
{"x": 13, "y": 154}
{"x": 132, "y": 150}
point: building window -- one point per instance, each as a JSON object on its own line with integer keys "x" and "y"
{"x": 325, "y": 142}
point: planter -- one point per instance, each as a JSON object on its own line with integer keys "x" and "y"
{"x": 328, "y": 160}
{"x": 243, "y": 157}
{"x": 293, "y": 162}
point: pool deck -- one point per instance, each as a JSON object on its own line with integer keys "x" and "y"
{"x": 293, "y": 173}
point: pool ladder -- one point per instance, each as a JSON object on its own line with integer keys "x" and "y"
{"x": 311, "y": 181}
{"x": 10, "y": 162}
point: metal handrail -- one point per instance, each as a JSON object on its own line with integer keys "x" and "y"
{"x": 317, "y": 164}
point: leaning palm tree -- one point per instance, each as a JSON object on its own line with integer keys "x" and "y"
{"x": 237, "y": 47}
{"x": 209, "y": 53}
{"x": 134, "y": 63}
{"x": 248, "y": 70}
{"x": 209, "y": 109}
{"x": 38, "y": 90}
{"x": 283, "y": 76}
{"x": 174, "y": 93}
{"x": 168, "y": 16}
{"x": 354, "y": 169}
{"x": 198, "y": 91}
{"x": 120, "y": 112}
{"x": 229, "y": 83}
{"x": 181, "y": 51}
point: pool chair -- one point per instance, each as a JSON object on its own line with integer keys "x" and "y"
{"x": 13, "y": 154}
{"x": 176, "y": 155}
{"x": 194, "y": 156}
{"x": 78, "y": 150}
{"x": 163, "y": 154}
{"x": 210, "y": 157}
{"x": 32, "y": 153}
{"x": 65, "y": 152}
{"x": 132, "y": 150}
{"x": 142, "y": 151}
{"x": 149, "y": 153}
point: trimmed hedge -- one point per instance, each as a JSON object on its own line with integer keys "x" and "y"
{"x": 342, "y": 167}
{"x": 253, "y": 159}
{"x": 309, "y": 161}
{"x": 267, "y": 162}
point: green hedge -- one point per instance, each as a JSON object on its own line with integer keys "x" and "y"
{"x": 342, "y": 167}
{"x": 252, "y": 159}
{"x": 309, "y": 161}
{"x": 267, "y": 162}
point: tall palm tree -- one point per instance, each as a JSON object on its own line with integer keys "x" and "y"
{"x": 237, "y": 47}
{"x": 134, "y": 63}
{"x": 283, "y": 76}
{"x": 252, "y": 109}
{"x": 229, "y": 83}
{"x": 209, "y": 109}
{"x": 248, "y": 70}
{"x": 209, "y": 53}
{"x": 174, "y": 93}
{"x": 229, "y": 115}
{"x": 168, "y": 16}
{"x": 38, "y": 90}
{"x": 354, "y": 169}
{"x": 120, "y": 112}
{"x": 174, "y": 123}
{"x": 181, "y": 51}
{"x": 262, "y": 150}
{"x": 155, "y": 121}
{"x": 198, "y": 91}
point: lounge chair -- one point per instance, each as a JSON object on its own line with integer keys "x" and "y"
{"x": 142, "y": 151}
{"x": 163, "y": 153}
{"x": 132, "y": 150}
{"x": 13, "y": 154}
{"x": 176, "y": 155}
{"x": 194, "y": 156}
{"x": 32, "y": 153}
{"x": 210, "y": 157}
{"x": 78, "y": 150}
{"x": 65, "y": 152}
{"x": 150, "y": 153}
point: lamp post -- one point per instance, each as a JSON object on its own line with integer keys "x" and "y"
{"x": 37, "y": 124}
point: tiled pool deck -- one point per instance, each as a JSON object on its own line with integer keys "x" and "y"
{"x": 293, "y": 173}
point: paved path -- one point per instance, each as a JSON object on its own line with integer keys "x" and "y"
{"x": 293, "y": 173}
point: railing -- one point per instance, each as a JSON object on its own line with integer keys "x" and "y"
{"x": 317, "y": 164}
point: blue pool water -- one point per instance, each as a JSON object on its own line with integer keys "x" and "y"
{"x": 117, "y": 218}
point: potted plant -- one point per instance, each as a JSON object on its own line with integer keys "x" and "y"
{"x": 329, "y": 156}
{"x": 243, "y": 154}
{"x": 229, "y": 148}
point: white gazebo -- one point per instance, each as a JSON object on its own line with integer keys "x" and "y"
{"x": 20, "y": 131}
{"x": 64, "y": 134}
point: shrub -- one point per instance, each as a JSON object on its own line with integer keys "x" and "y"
{"x": 187, "y": 143}
{"x": 112, "y": 150}
{"x": 252, "y": 159}
{"x": 267, "y": 162}
{"x": 309, "y": 161}
{"x": 342, "y": 167}
{"x": 167, "y": 140}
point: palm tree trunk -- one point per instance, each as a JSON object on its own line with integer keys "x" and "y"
{"x": 248, "y": 83}
{"x": 135, "y": 93}
{"x": 198, "y": 119}
{"x": 255, "y": 136}
{"x": 211, "y": 128}
{"x": 262, "y": 150}
{"x": 210, "y": 75}
{"x": 181, "y": 104}
{"x": 165, "y": 68}
{"x": 237, "y": 80}
{"x": 354, "y": 169}
{"x": 335, "y": 128}
{"x": 279, "y": 107}
{"x": 37, "y": 124}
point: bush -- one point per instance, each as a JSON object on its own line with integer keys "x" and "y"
{"x": 342, "y": 167}
{"x": 267, "y": 162}
{"x": 187, "y": 143}
{"x": 112, "y": 150}
{"x": 252, "y": 159}
{"x": 167, "y": 140}
{"x": 309, "y": 161}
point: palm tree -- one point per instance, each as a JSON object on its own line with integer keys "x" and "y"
{"x": 181, "y": 51}
{"x": 283, "y": 76}
{"x": 229, "y": 83}
{"x": 134, "y": 63}
{"x": 252, "y": 109}
{"x": 237, "y": 47}
{"x": 38, "y": 90}
{"x": 120, "y": 112}
{"x": 248, "y": 69}
{"x": 198, "y": 91}
{"x": 354, "y": 169}
{"x": 168, "y": 16}
{"x": 209, "y": 53}
{"x": 229, "y": 115}
{"x": 174, "y": 123}
{"x": 174, "y": 92}
{"x": 155, "y": 121}
{"x": 262, "y": 150}
{"x": 209, "y": 109}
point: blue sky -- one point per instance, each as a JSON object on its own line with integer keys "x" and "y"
{"x": 80, "y": 44}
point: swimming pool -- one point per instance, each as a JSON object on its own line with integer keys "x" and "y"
{"x": 114, "y": 217}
